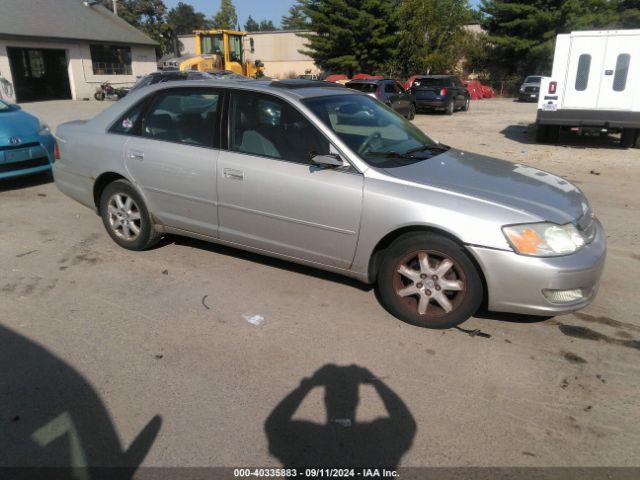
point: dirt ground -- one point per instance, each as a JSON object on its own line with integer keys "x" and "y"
{"x": 149, "y": 358}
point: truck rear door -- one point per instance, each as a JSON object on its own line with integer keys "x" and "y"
{"x": 621, "y": 73}
{"x": 584, "y": 74}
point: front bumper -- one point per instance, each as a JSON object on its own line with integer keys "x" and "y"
{"x": 27, "y": 159}
{"x": 515, "y": 282}
{"x": 528, "y": 96}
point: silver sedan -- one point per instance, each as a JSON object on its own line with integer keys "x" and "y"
{"x": 320, "y": 175}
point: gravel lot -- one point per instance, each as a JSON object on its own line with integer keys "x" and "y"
{"x": 148, "y": 355}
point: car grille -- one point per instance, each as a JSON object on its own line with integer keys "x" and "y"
{"x": 532, "y": 89}
{"x": 19, "y": 146}
{"x": 12, "y": 167}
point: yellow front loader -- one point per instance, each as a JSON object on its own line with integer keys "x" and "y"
{"x": 221, "y": 50}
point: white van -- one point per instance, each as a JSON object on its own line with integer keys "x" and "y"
{"x": 595, "y": 83}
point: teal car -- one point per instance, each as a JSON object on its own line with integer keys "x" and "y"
{"x": 26, "y": 144}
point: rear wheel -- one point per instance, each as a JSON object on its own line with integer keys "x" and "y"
{"x": 630, "y": 138}
{"x": 451, "y": 106}
{"x": 467, "y": 104}
{"x": 126, "y": 218}
{"x": 429, "y": 281}
{"x": 547, "y": 133}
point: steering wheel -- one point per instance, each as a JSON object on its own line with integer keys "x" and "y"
{"x": 375, "y": 136}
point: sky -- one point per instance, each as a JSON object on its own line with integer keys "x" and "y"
{"x": 258, "y": 9}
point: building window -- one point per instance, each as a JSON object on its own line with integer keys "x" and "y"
{"x": 111, "y": 60}
{"x": 582, "y": 75}
{"x": 622, "y": 70}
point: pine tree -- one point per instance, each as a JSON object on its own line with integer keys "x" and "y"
{"x": 251, "y": 25}
{"x": 524, "y": 32}
{"x": 296, "y": 20}
{"x": 227, "y": 17}
{"x": 351, "y": 35}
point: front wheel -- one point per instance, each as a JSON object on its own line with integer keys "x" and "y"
{"x": 467, "y": 104}
{"x": 429, "y": 281}
{"x": 126, "y": 218}
{"x": 100, "y": 96}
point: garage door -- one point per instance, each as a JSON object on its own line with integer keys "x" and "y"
{"x": 39, "y": 74}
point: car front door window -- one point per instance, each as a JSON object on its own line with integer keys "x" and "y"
{"x": 269, "y": 127}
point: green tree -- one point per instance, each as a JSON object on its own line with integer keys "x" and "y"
{"x": 296, "y": 20}
{"x": 149, "y": 16}
{"x": 351, "y": 35}
{"x": 629, "y": 13}
{"x": 433, "y": 34}
{"x": 267, "y": 26}
{"x": 227, "y": 17}
{"x": 524, "y": 32}
{"x": 184, "y": 19}
{"x": 251, "y": 25}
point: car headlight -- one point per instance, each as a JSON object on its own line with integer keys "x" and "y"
{"x": 544, "y": 239}
{"x": 521, "y": 89}
{"x": 43, "y": 129}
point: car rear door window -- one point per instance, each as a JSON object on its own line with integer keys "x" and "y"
{"x": 363, "y": 87}
{"x": 266, "y": 126}
{"x": 186, "y": 116}
{"x": 125, "y": 125}
{"x": 389, "y": 88}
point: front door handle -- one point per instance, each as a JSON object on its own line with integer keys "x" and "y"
{"x": 233, "y": 174}
{"x": 136, "y": 155}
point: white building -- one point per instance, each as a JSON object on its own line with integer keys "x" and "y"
{"x": 64, "y": 49}
{"x": 279, "y": 50}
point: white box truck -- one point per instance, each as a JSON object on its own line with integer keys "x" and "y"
{"x": 595, "y": 84}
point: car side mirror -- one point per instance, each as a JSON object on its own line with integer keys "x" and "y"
{"x": 329, "y": 160}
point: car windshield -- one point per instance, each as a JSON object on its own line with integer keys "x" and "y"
{"x": 533, "y": 80}
{"x": 381, "y": 137}
{"x": 363, "y": 87}
{"x": 4, "y": 107}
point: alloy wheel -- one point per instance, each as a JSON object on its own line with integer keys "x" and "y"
{"x": 124, "y": 216}
{"x": 429, "y": 283}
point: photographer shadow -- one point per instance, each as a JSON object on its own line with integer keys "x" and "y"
{"x": 342, "y": 442}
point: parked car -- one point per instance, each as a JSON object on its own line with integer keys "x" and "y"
{"x": 162, "y": 76}
{"x": 530, "y": 89}
{"x": 26, "y": 144}
{"x": 595, "y": 84}
{"x": 442, "y": 92}
{"x": 329, "y": 177}
{"x": 389, "y": 92}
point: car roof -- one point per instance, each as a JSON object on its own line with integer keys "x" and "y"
{"x": 371, "y": 80}
{"x": 435, "y": 76}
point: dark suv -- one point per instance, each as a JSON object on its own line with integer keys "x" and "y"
{"x": 389, "y": 92}
{"x": 441, "y": 92}
{"x": 530, "y": 89}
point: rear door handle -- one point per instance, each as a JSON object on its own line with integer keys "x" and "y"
{"x": 136, "y": 155}
{"x": 233, "y": 174}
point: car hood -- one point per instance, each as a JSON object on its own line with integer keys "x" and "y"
{"x": 538, "y": 193}
{"x": 530, "y": 85}
{"x": 18, "y": 124}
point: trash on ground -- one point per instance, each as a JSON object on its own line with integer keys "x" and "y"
{"x": 254, "y": 319}
{"x": 343, "y": 422}
{"x": 203, "y": 302}
{"x": 593, "y": 172}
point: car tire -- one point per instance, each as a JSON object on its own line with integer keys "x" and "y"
{"x": 451, "y": 107}
{"x": 126, "y": 217}
{"x": 100, "y": 96}
{"x": 439, "y": 286}
{"x": 467, "y": 105}
{"x": 629, "y": 137}
{"x": 412, "y": 112}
